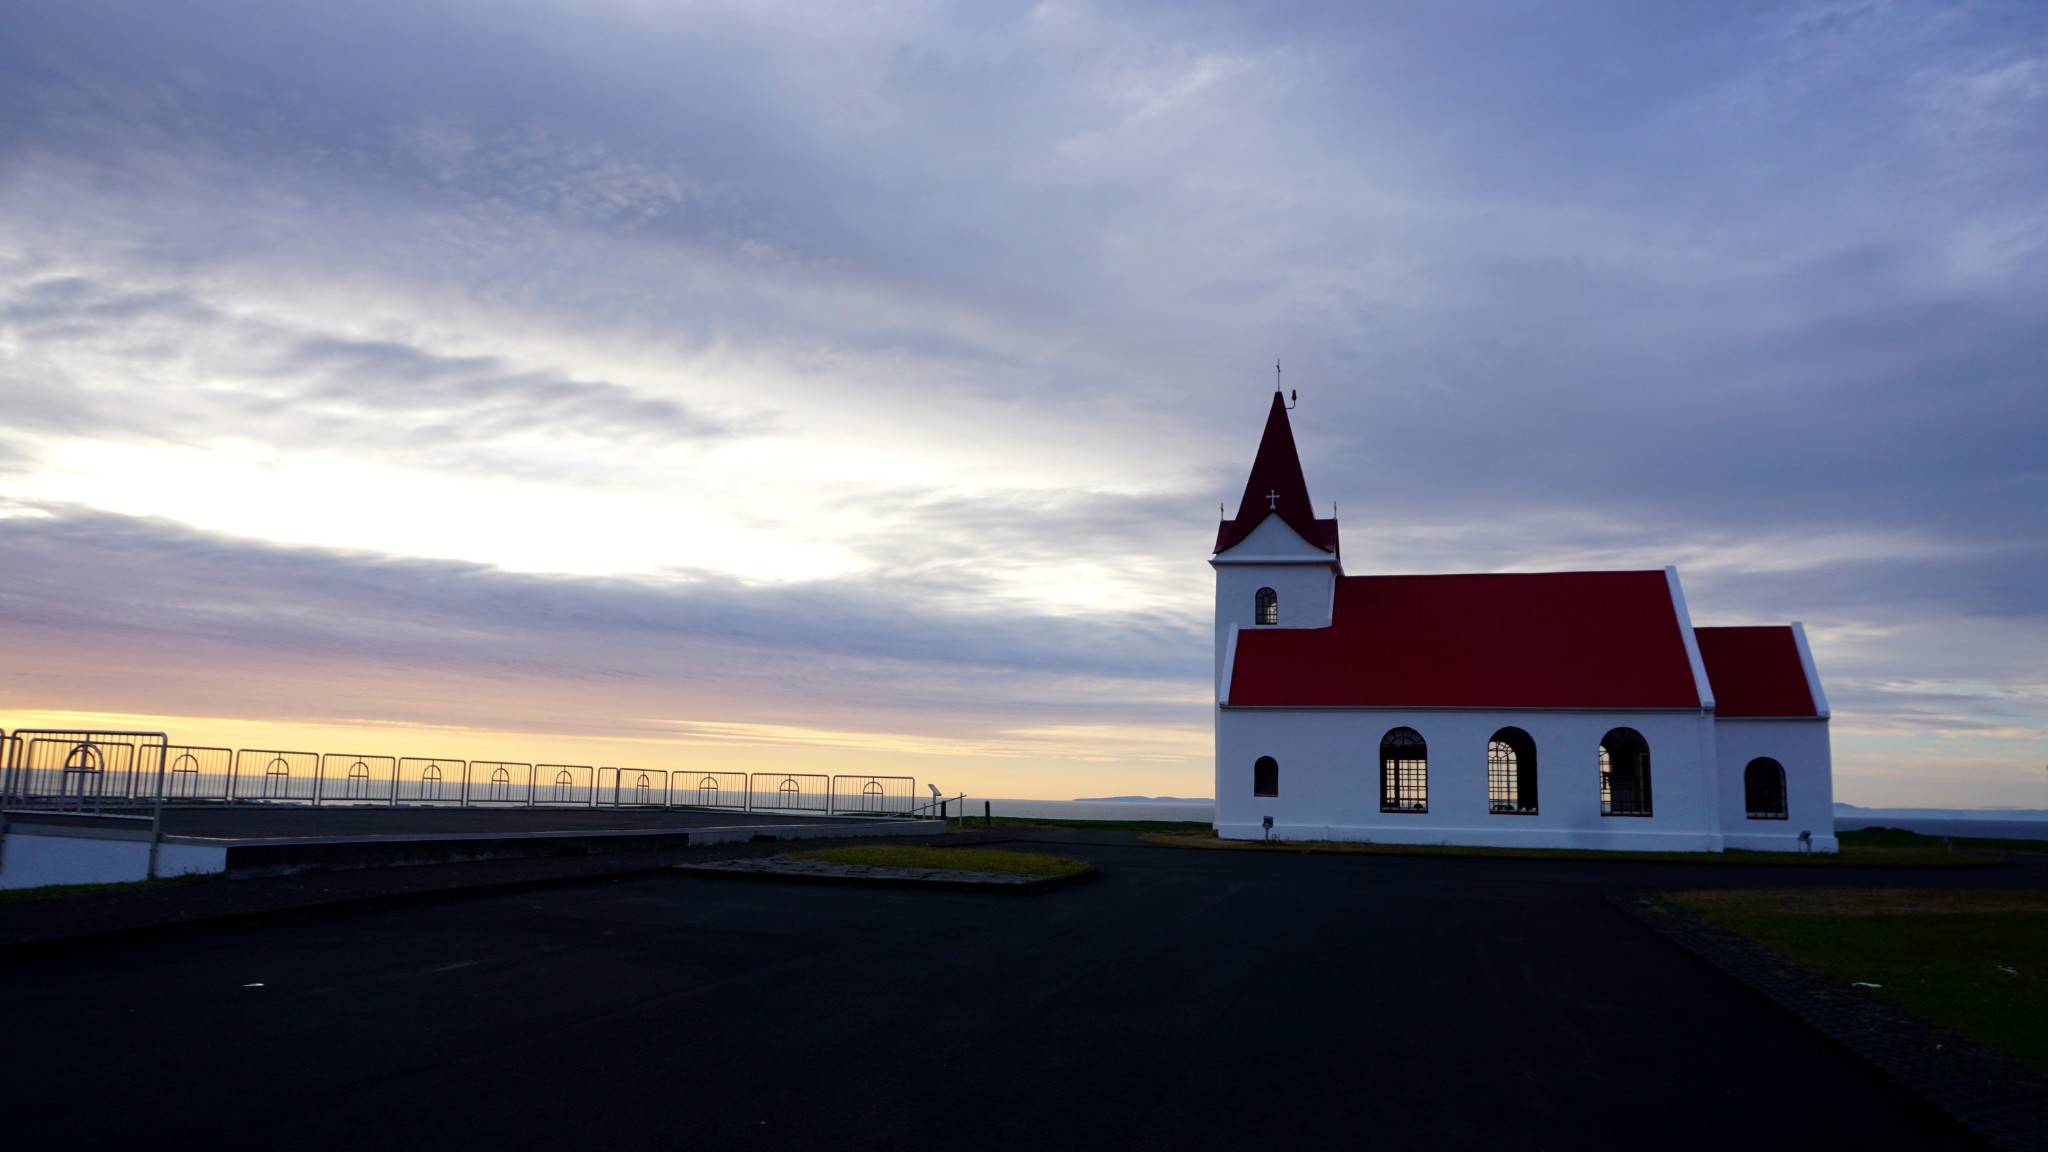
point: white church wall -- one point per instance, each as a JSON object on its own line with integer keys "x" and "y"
{"x": 1330, "y": 788}
{"x": 1801, "y": 746}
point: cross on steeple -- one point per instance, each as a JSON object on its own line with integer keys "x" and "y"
{"x": 1273, "y": 498}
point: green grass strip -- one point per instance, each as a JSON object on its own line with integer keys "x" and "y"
{"x": 953, "y": 859}
{"x": 1976, "y": 961}
{"x": 1900, "y": 838}
{"x": 973, "y": 820}
{"x": 1852, "y": 855}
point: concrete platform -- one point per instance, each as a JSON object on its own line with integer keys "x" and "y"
{"x": 44, "y": 848}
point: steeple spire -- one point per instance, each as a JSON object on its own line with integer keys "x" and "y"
{"x": 1276, "y": 488}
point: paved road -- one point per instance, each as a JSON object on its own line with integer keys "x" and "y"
{"x": 1183, "y": 1000}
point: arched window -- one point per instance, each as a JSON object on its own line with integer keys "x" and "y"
{"x": 1404, "y": 771}
{"x": 1763, "y": 789}
{"x": 1268, "y": 604}
{"x": 1511, "y": 773}
{"x": 1624, "y": 773}
{"x": 1265, "y": 776}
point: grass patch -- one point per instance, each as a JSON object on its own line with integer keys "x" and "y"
{"x": 972, "y": 822}
{"x": 1900, "y": 838}
{"x": 1854, "y": 854}
{"x": 956, "y": 859}
{"x": 1942, "y": 954}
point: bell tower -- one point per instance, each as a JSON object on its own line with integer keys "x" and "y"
{"x": 1276, "y": 564}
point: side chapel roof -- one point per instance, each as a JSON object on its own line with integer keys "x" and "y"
{"x": 1492, "y": 640}
{"x": 1756, "y": 672}
{"x": 1276, "y": 488}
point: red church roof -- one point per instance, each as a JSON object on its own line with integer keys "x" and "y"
{"x": 1756, "y": 672}
{"x": 1524, "y": 640}
{"x": 1276, "y": 488}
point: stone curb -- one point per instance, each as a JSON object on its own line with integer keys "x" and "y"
{"x": 1987, "y": 1091}
{"x": 869, "y": 876}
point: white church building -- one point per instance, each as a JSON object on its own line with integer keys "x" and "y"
{"x": 1548, "y": 709}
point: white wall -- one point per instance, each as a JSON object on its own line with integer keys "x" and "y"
{"x": 1802, "y": 747}
{"x": 35, "y": 860}
{"x": 1329, "y": 779}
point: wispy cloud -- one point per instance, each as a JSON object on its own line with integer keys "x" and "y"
{"x": 726, "y": 364}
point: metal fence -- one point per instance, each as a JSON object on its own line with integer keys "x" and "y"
{"x": 353, "y": 778}
{"x": 708, "y": 790}
{"x": 198, "y": 773}
{"x": 789, "y": 792}
{"x": 269, "y": 774}
{"x": 632, "y": 787}
{"x": 142, "y": 771}
{"x": 874, "y": 795}
{"x": 432, "y": 780}
{"x": 84, "y": 771}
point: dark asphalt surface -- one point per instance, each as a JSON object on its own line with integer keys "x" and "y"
{"x": 1183, "y": 999}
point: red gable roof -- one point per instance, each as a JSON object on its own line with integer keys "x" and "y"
{"x": 1534, "y": 640}
{"x": 1755, "y": 672}
{"x": 1276, "y": 488}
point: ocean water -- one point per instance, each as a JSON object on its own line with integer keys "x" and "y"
{"x": 1944, "y": 825}
{"x": 1093, "y": 809}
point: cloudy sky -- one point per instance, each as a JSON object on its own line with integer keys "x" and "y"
{"x": 854, "y": 386}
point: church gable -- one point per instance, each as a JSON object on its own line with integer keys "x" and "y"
{"x": 1274, "y": 540}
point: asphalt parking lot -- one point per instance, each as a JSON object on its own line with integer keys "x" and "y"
{"x": 1182, "y": 999}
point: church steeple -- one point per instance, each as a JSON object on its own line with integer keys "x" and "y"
{"x": 1276, "y": 488}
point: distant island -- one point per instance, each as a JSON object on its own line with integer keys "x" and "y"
{"x": 1144, "y": 799}
{"x": 1991, "y": 813}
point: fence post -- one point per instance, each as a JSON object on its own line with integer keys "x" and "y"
{"x": 6, "y": 789}
{"x": 156, "y": 816}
